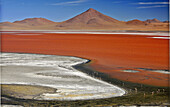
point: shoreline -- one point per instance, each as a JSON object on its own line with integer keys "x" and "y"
{"x": 149, "y": 33}
{"x": 3, "y": 30}
{"x": 131, "y": 93}
{"x": 45, "y": 75}
{"x": 105, "y": 77}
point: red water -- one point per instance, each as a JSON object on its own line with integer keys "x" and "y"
{"x": 109, "y": 53}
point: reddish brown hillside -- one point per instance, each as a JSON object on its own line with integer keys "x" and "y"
{"x": 153, "y": 21}
{"x": 9, "y": 24}
{"x": 136, "y": 22}
{"x": 166, "y": 21}
{"x": 35, "y": 21}
{"x": 6, "y": 23}
{"x": 90, "y": 17}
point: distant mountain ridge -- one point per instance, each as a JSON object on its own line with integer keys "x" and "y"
{"x": 90, "y": 19}
{"x": 153, "y": 21}
{"x": 136, "y": 22}
{"x": 34, "y": 21}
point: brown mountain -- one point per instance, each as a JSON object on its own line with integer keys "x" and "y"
{"x": 167, "y": 21}
{"x": 136, "y": 22}
{"x": 91, "y": 17}
{"x": 12, "y": 25}
{"x": 153, "y": 21}
{"x": 34, "y": 21}
{"x": 6, "y": 23}
{"x": 88, "y": 20}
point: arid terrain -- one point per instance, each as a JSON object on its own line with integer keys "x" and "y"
{"x": 88, "y": 20}
{"x": 55, "y": 72}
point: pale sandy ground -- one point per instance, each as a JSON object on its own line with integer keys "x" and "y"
{"x": 55, "y": 72}
{"x": 19, "y": 32}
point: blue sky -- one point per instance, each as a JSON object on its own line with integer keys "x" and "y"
{"x": 61, "y": 10}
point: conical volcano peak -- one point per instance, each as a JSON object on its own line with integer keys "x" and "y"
{"x": 91, "y": 10}
{"x": 92, "y": 17}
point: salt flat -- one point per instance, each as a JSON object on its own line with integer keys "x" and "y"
{"x": 56, "y": 72}
{"x": 86, "y": 32}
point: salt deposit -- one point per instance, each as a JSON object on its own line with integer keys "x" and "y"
{"x": 56, "y": 72}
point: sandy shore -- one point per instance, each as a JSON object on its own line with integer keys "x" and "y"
{"x": 151, "y": 33}
{"x": 55, "y": 72}
{"x": 23, "y": 91}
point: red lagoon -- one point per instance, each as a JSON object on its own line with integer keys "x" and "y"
{"x": 109, "y": 53}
